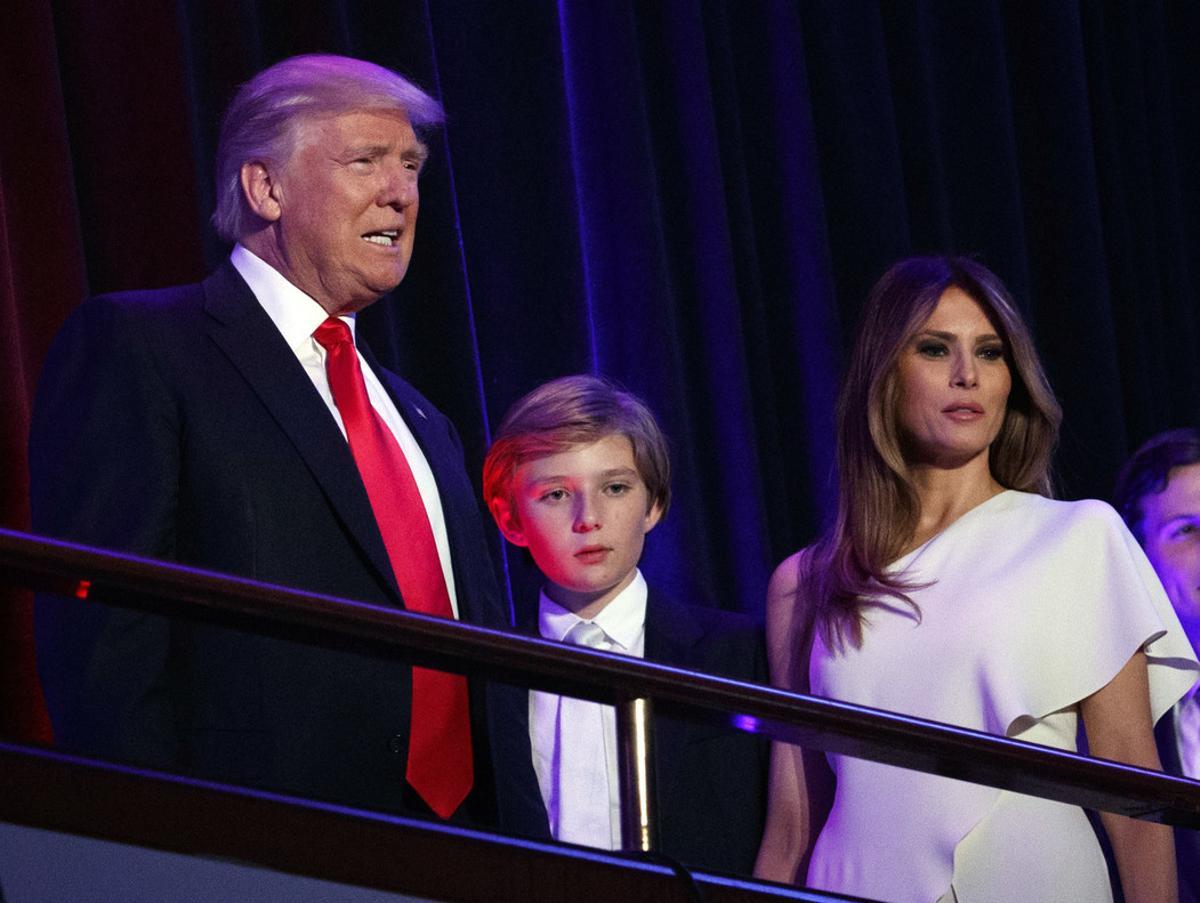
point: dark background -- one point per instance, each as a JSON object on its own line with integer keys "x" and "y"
{"x": 690, "y": 197}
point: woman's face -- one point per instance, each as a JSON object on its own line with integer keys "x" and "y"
{"x": 954, "y": 383}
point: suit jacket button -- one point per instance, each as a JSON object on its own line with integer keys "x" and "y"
{"x": 396, "y": 744}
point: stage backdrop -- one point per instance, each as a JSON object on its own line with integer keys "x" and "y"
{"x": 690, "y": 197}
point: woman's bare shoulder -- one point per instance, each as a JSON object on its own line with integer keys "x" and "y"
{"x": 789, "y": 615}
{"x": 785, "y": 585}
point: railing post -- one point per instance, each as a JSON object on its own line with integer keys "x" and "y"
{"x": 639, "y": 804}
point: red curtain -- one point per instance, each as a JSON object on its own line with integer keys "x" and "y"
{"x": 41, "y": 278}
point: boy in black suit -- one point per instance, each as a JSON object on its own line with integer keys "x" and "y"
{"x": 578, "y": 475}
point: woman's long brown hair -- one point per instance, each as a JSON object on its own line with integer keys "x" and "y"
{"x": 878, "y": 508}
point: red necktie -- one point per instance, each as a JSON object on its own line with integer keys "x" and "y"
{"x": 440, "y": 765}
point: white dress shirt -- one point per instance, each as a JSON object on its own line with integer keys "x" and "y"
{"x": 577, "y": 766}
{"x": 1187, "y": 733}
{"x": 297, "y": 316}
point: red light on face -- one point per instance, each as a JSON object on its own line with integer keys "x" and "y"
{"x": 82, "y": 588}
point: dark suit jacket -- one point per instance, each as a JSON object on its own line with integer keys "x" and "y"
{"x": 177, "y": 424}
{"x": 711, "y": 780}
{"x": 1187, "y": 842}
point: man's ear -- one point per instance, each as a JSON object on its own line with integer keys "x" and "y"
{"x": 261, "y": 190}
{"x": 507, "y": 520}
{"x": 653, "y": 516}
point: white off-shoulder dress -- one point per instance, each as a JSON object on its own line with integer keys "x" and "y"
{"x": 1036, "y": 605}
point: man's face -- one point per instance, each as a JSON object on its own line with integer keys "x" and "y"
{"x": 348, "y": 207}
{"x": 1171, "y": 526}
{"x": 583, "y": 514}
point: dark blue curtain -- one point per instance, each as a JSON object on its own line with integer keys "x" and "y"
{"x": 690, "y": 197}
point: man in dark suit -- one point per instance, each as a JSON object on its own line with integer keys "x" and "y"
{"x": 1158, "y": 494}
{"x": 236, "y": 425}
{"x": 578, "y": 474}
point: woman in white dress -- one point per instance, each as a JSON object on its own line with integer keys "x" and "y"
{"x": 953, "y": 588}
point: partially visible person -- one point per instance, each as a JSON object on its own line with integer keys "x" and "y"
{"x": 1158, "y": 494}
{"x": 579, "y": 474}
{"x": 242, "y": 425}
{"x": 952, "y": 587}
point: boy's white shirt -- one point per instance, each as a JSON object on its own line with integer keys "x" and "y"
{"x": 578, "y": 785}
{"x": 1187, "y": 733}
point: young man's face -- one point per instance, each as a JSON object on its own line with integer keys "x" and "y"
{"x": 583, "y": 514}
{"x": 1171, "y": 525}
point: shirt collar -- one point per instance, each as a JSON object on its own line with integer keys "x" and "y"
{"x": 623, "y": 619}
{"x": 1190, "y": 697}
{"x": 295, "y": 314}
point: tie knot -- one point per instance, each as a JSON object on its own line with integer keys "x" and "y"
{"x": 332, "y": 332}
{"x": 585, "y": 633}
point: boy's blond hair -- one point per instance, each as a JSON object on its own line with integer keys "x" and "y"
{"x": 570, "y": 411}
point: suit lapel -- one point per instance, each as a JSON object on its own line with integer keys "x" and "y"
{"x": 672, "y": 633}
{"x": 444, "y": 458}
{"x": 242, "y": 329}
{"x": 1168, "y": 750}
{"x": 672, "y": 638}
{"x": 424, "y": 423}
{"x": 474, "y": 574}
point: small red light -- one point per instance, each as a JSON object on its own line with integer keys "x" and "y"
{"x": 82, "y": 588}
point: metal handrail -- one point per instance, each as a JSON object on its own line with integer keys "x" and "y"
{"x": 57, "y": 793}
{"x": 817, "y": 723}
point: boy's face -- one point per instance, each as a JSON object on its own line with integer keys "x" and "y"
{"x": 583, "y": 514}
